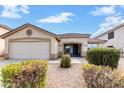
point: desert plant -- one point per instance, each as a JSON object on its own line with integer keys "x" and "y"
{"x": 66, "y": 61}
{"x": 103, "y": 56}
{"x": 26, "y": 74}
{"x": 102, "y": 77}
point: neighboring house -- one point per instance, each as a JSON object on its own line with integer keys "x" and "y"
{"x": 3, "y": 29}
{"x": 31, "y": 42}
{"x": 114, "y": 37}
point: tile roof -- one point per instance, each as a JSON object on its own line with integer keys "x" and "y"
{"x": 92, "y": 40}
{"x": 25, "y": 25}
{"x": 74, "y": 35}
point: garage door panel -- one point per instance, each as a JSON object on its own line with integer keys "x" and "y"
{"x": 29, "y": 50}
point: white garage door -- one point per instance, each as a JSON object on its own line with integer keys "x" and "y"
{"x": 29, "y": 50}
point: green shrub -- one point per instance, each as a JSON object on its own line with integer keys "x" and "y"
{"x": 26, "y": 74}
{"x": 102, "y": 77}
{"x": 66, "y": 61}
{"x": 103, "y": 56}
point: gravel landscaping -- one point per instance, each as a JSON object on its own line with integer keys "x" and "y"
{"x": 60, "y": 77}
{"x": 65, "y": 77}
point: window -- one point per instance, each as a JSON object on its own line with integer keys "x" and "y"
{"x": 67, "y": 48}
{"x": 110, "y": 46}
{"x": 110, "y": 35}
{"x": 29, "y": 32}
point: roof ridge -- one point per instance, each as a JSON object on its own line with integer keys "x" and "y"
{"x": 5, "y": 26}
{"x": 39, "y": 28}
{"x": 110, "y": 29}
{"x": 28, "y": 24}
{"x": 74, "y": 33}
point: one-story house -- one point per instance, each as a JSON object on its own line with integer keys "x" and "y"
{"x": 31, "y": 42}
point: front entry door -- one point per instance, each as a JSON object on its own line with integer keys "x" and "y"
{"x": 72, "y": 49}
{"x": 75, "y": 50}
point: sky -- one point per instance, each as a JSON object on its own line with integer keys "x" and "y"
{"x": 64, "y": 19}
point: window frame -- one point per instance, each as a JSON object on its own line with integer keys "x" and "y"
{"x": 110, "y": 35}
{"x": 111, "y": 46}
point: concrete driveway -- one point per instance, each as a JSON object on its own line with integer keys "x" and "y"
{"x": 4, "y": 62}
{"x": 73, "y": 59}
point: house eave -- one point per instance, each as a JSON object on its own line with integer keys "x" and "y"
{"x": 25, "y": 25}
{"x": 96, "y": 41}
{"x": 110, "y": 30}
{"x": 5, "y": 27}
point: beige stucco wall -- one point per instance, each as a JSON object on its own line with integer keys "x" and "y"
{"x": 2, "y": 41}
{"x": 117, "y": 41}
{"x": 3, "y": 30}
{"x": 104, "y": 37}
{"x": 35, "y": 34}
{"x": 82, "y": 41}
